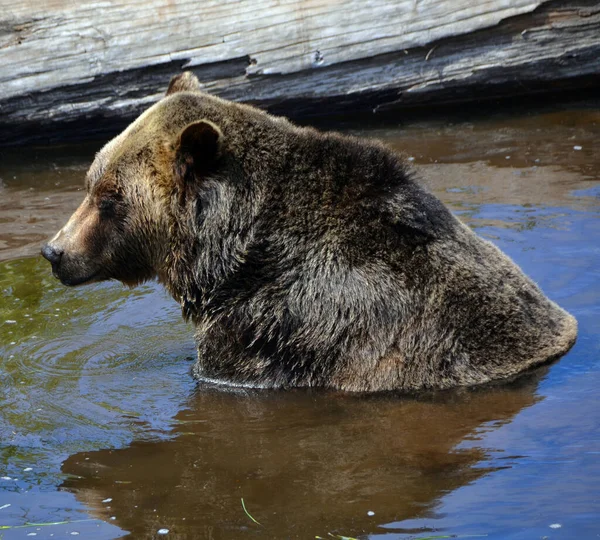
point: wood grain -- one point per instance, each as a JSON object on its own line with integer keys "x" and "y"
{"x": 64, "y": 61}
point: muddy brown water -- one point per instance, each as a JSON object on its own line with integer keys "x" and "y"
{"x": 104, "y": 434}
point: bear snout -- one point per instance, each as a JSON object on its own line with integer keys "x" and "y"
{"x": 65, "y": 272}
{"x": 74, "y": 271}
{"x": 74, "y": 251}
{"x": 52, "y": 254}
{"x": 70, "y": 269}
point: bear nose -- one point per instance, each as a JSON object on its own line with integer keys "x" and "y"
{"x": 52, "y": 254}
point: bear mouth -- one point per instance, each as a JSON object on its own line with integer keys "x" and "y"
{"x": 73, "y": 281}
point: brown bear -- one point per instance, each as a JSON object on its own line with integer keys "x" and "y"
{"x": 303, "y": 258}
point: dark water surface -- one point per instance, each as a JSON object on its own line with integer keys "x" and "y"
{"x": 102, "y": 426}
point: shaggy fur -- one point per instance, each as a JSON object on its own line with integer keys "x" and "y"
{"x": 302, "y": 258}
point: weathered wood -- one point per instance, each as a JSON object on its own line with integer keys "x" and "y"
{"x": 65, "y": 62}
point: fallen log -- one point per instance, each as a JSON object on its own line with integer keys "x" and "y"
{"x": 92, "y": 66}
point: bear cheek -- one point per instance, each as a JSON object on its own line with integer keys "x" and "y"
{"x": 126, "y": 247}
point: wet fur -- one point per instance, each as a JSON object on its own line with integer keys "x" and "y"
{"x": 315, "y": 259}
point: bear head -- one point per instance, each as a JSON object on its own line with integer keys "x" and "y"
{"x": 123, "y": 228}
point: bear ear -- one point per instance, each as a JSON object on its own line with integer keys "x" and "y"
{"x": 199, "y": 147}
{"x": 184, "y": 82}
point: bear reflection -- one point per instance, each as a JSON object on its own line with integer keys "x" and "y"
{"x": 305, "y": 463}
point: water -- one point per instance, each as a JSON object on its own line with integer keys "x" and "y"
{"x": 102, "y": 426}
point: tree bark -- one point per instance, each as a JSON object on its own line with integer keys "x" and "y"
{"x": 88, "y": 67}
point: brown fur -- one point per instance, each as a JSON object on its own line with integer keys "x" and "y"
{"x": 303, "y": 258}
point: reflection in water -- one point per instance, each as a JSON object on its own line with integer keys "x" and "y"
{"x": 97, "y": 402}
{"x": 306, "y": 463}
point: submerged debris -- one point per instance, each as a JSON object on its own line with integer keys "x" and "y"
{"x": 248, "y": 513}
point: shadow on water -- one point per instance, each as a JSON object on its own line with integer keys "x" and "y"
{"x": 305, "y": 463}
{"x": 100, "y": 420}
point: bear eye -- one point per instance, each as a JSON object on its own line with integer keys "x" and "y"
{"x": 106, "y": 205}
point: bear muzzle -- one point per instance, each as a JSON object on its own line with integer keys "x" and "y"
{"x": 70, "y": 270}
{"x": 52, "y": 254}
{"x": 72, "y": 252}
